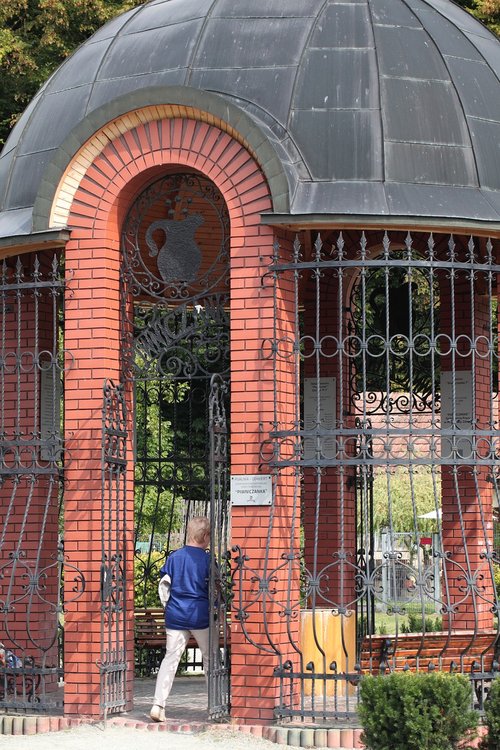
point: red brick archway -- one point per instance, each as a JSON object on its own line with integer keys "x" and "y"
{"x": 106, "y": 188}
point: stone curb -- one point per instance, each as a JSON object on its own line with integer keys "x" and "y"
{"x": 333, "y": 739}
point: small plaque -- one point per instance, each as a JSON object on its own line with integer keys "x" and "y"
{"x": 456, "y": 391}
{"x": 319, "y": 412}
{"x": 251, "y": 489}
{"x": 50, "y": 414}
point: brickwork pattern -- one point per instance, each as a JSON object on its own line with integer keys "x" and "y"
{"x": 124, "y": 161}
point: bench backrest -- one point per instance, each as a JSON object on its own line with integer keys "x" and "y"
{"x": 446, "y": 651}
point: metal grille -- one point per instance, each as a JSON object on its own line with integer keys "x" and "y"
{"x": 32, "y": 559}
{"x": 220, "y": 569}
{"x": 175, "y": 280}
{"x": 112, "y": 663}
{"x": 392, "y": 442}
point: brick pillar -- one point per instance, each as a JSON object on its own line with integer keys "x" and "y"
{"x": 92, "y": 340}
{"x": 263, "y": 533}
{"x": 329, "y": 497}
{"x": 466, "y": 493}
{"x": 109, "y": 172}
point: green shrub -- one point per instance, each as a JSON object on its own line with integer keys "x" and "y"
{"x": 492, "y": 717}
{"x": 147, "y": 567}
{"x": 416, "y": 624}
{"x": 416, "y": 711}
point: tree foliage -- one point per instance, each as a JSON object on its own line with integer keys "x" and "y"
{"x": 37, "y": 35}
{"x": 399, "y": 498}
{"x": 487, "y": 11}
{"x": 35, "y": 38}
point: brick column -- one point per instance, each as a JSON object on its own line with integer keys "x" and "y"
{"x": 466, "y": 493}
{"x": 100, "y": 185}
{"x": 92, "y": 339}
{"x": 332, "y": 515}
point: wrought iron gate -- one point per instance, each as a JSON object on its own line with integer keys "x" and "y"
{"x": 391, "y": 343}
{"x": 175, "y": 349}
{"x": 112, "y": 663}
{"x": 220, "y": 569}
{"x": 32, "y": 458}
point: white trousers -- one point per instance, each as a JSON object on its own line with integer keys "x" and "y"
{"x": 176, "y": 644}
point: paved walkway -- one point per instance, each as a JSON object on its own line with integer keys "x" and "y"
{"x": 187, "y": 702}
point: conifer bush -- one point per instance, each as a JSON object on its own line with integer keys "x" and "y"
{"x": 417, "y": 711}
{"x": 492, "y": 718}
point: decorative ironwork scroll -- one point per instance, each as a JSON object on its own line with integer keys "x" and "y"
{"x": 220, "y": 570}
{"x": 392, "y": 441}
{"x": 175, "y": 343}
{"x": 112, "y": 663}
{"x": 32, "y": 457}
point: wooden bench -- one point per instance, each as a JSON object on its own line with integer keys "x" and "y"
{"x": 149, "y": 638}
{"x": 461, "y": 651}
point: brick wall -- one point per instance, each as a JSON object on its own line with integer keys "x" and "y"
{"x": 101, "y": 187}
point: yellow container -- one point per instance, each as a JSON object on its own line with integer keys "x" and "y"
{"x": 324, "y": 630}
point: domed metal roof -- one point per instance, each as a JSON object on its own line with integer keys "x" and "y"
{"x": 370, "y": 107}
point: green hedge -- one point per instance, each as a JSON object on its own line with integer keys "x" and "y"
{"x": 492, "y": 717}
{"x": 416, "y": 711}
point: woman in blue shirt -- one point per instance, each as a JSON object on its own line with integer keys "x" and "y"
{"x": 183, "y": 591}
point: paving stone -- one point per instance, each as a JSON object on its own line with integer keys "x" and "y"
{"x": 321, "y": 738}
{"x": 357, "y": 743}
{"x": 346, "y": 738}
{"x": 17, "y": 725}
{"x": 256, "y": 730}
{"x": 7, "y": 724}
{"x": 307, "y": 738}
{"x": 30, "y": 725}
{"x": 333, "y": 738}
{"x": 54, "y": 723}
{"x": 281, "y": 736}
{"x": 270, "y": 733}
{"x": 294, "y": 737}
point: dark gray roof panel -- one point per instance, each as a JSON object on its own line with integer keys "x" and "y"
{"x": 456, "y": 202}
{"x": 340, "y": 197}
{"x": 112, "y": 28}
{"x": 416, "y": 162}
{"x": 150, "y": 51}
{"x": 257, "y": 43}
{"x": 340, "y": 144}
{"x": 338, "y": 79}
{"x": 14, "y": 222}
{"x": 117, "y": 87}
{"x": 487, "y": 134}
{"x": 422, "y": 112}
{"x": 408, "y": 53}
{"x": 153, "y": 17}
{"x": 247, "y": 85}
{"x": 343, "y": 26}
{"x": 91, "y": 57}
{"x": 17, "y": 132}
{"x": 61, "y": 111}
{"x": 461, "y": 20}
{"x": 476, "y": 77}
{"x": 27, "y": 173}
{"x": 448, "y": 39}
{"x": 389, "y": 13}
{"x": 489, "y": 51}
{"x": 354, "y": 106}
{"x": 265, "y": 9}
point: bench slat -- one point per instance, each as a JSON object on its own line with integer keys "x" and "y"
{"x": 440, "y": 649}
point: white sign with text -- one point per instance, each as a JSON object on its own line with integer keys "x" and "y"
{"x": 251, "y": 489}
